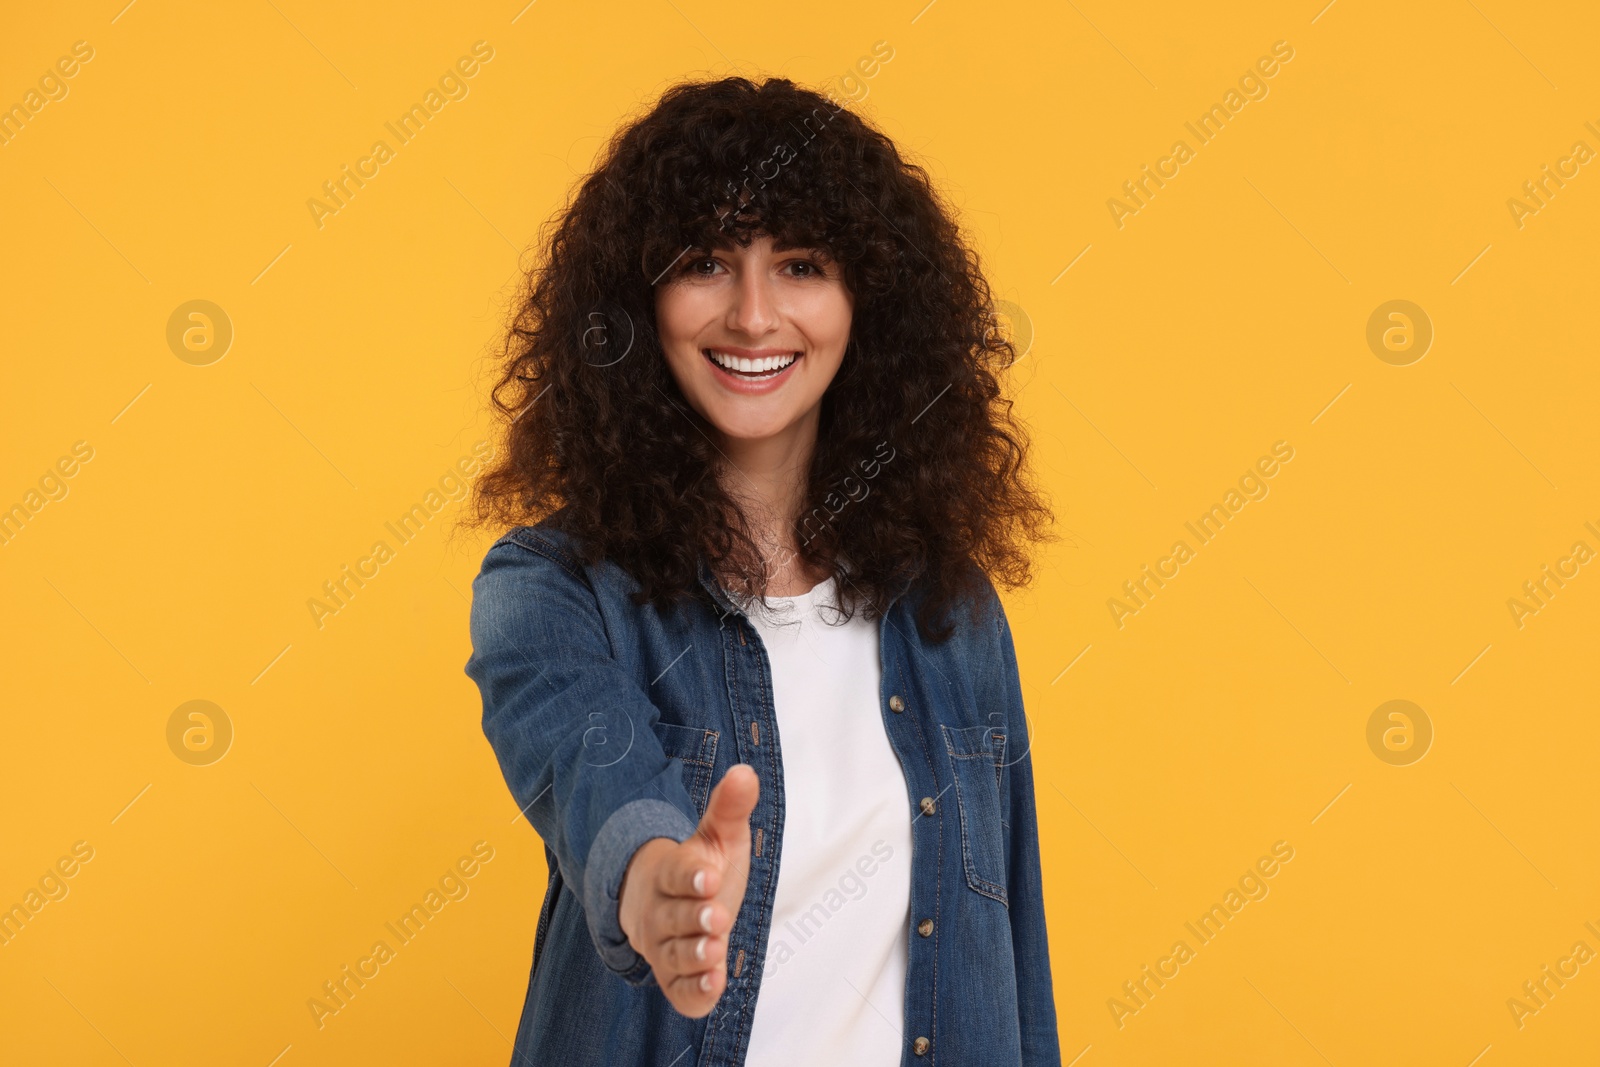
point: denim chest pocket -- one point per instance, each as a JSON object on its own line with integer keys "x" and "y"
{"x": 697, "y": 749}
{"x": 977, "y": 755}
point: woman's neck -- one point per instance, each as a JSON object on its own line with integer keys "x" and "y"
{"x": 767, "y": 479}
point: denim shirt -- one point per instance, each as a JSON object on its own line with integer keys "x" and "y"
{"x": 612, "y": 722}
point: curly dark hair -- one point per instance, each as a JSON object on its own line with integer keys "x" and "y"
{"x": 919, "y": 476}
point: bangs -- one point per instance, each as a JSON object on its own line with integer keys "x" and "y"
{"x": 710, "y": 233}
{"x": 740, "y": 179}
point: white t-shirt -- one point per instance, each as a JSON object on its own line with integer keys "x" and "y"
{"x": 833, "y": 986}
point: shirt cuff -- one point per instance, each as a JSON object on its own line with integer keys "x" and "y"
{"x": 627, "y": 828}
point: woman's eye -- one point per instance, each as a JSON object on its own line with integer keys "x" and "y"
{"x": 706, "y": 266}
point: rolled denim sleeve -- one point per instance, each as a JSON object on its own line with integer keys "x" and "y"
{"x": 1036, "y": 1005}
{"x": 573, "y": 732}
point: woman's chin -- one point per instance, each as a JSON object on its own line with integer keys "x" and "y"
{"x": 747, "y": 427}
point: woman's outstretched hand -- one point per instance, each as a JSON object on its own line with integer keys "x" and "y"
{"x": 678, "y": 901}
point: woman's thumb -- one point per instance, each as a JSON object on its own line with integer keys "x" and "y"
{"x": 732, "y": 801}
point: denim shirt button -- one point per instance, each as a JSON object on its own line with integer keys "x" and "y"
{"x": 927, "y": 805}
{"x": 896, "y": 704}
{"x": 920, "y": 1046}
{"x": 925, "y": 927}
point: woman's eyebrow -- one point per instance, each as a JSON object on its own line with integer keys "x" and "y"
{"x": 726, "y": 245}
{"x": 820, "y": 250}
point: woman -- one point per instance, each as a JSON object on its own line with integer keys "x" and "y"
{"x": 742, "y": 660}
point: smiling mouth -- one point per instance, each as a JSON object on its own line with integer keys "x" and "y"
{"x": 754, "y": 370}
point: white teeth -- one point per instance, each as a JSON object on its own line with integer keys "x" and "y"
{"x": 765, "y": 365}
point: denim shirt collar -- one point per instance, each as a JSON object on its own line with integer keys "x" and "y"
{"x": 708, "y": 580}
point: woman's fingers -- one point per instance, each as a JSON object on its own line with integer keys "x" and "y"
{"x": 688, "y": 935}
{"x": 696, "y": 953}
{"x": 695, "y": 995}
{"x": 689, "y": 873}
{"x": 691, "y": 917}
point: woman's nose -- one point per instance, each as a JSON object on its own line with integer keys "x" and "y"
{"x": 754, "y": 311}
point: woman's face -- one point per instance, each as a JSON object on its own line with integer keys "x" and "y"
{"x": 754, "y": 335}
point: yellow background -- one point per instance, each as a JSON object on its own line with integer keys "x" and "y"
{"x": 1229, "y": 313}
